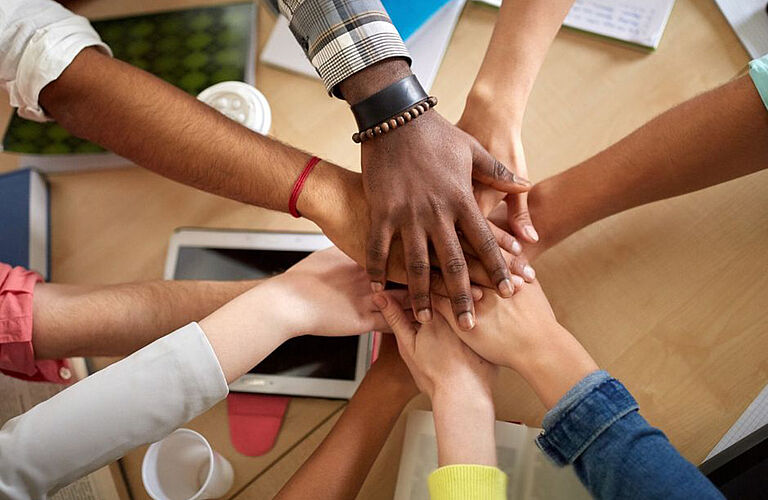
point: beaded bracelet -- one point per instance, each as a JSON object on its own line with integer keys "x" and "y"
{"x": 396, "y": 121}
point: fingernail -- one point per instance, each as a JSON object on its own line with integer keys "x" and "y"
{"x": 377, "y": 287}
{"x": 380, "y": 300}
{"x": 424, "y": 316}
{"x": 518, "y": 281}
{"x": 516, "y": 248}
{"x": 531, "y": 233}
{"x": 505, "y": 288}
{"x": 466, "y": 321}
{"x": 522, "y": 181}
{"x": 529, "y": 273}
{"x": 477, "y": 293}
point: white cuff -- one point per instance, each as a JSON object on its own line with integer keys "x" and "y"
{"x": 135, "y": 401}
{"x": 48, "y": 53}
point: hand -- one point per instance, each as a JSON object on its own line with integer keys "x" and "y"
{"x": 417, "y": 180}
{"x": 505, "y": 143}
{"x": 437, "y": 359}
{"x": 522, "y": 333}
{"x": 457, "y": 381}
{"x": 326, "y": 293}
{"x": 339, "y": 207}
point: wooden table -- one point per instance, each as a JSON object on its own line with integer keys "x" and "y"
{"x": 670, "y": 297}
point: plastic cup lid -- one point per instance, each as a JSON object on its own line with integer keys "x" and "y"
{"x": 240, "y": 102}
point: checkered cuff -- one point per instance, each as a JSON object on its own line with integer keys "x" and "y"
{"x": 342, "y": 37}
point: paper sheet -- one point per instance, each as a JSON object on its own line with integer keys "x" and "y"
{"x": 750, "y": 22}
{"x": 640, "y": 22}
{"x": 754, "y": 417}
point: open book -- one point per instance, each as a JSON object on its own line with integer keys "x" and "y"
{"x": 20, "y": 396}
{"x": 531, "y": 475}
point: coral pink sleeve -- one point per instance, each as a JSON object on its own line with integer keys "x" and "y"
{"x": 17, "y": 356}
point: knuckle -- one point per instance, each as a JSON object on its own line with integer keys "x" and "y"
{"x": 418, "y": 268}
{"x": 461, "y": 300}
{"x": 500, "y": 172}
{"x": 420, "y": 297}
{"x": 488, "y": 244}
{"x": 456, "y": 265}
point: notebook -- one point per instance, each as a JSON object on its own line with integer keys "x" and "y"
{"x": 639, "y": 23}
{"x": 25, "y": 221}
{"x": 531, "y": 476}
{"x": 192, "y": 49}
{"x": 426, "y": 42}
{"x": 749, "y": 20}
{"x": 753, "y": 418}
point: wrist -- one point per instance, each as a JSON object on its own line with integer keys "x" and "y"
{"x": 464, "y": 425}
{"x": 553, "y": 364}
{"x": 374, "y": 78}
{"x": 496, "y": 109}
{"x": 328, "y": 194}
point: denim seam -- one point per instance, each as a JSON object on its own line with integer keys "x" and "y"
{"x": 570, "y": 409}
{"x": 602, "y": 429}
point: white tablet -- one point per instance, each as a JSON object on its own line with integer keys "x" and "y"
{"x": 330, "y": 367}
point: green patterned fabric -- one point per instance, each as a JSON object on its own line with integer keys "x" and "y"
{"x": 192, "y": 49}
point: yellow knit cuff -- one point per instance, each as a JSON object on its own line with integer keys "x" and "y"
{"x": 467, "y": 482}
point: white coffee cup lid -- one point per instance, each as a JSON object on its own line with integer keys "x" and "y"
{"x": 240, "y": 102}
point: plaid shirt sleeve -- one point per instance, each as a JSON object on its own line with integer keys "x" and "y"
{"x": 342, "y": 37}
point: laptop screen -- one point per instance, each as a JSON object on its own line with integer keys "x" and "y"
{"x": 306, "y": 356}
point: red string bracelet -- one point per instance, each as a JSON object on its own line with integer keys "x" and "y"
{"x": 299, "y": 184}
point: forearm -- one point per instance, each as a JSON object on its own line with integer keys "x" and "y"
{"x": 464, "y": 425}
{"x": 615, "y": 452}
{"x": 339, "y": 466}
{"x": 116, "y": 320}
{"x": 521, "y": 38}
{"x": 715, "y": 137}
{"x": 553, "y": 363}
{"x": 172, "y": 133}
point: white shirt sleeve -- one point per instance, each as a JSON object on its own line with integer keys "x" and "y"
{"x": 38, "y": 40}
{"x": 135, "y": 401}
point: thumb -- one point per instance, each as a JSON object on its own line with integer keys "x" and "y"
{"x": 519, "y": 218}
{"x": 395, "y": 316}
{"x": 490, "y": 171}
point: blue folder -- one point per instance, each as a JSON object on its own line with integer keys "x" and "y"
{"x": 24, "y": 221}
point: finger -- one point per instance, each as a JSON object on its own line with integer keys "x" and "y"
{"x": 487, "y": 198}
{"x": 521, "y": 271}
{"x": 490, "y": 171}
{"x": 418, "y": 270}
{"x": 520, "y": 218}
{"x": 454, "y": 270}
{"x": 437, "y": 287}
{"x": 380, "y": 324}
{"x": 377, "y": 254}
{"x": 400, "y": 295}
{"x": 397, "y": 320}
{"x": 520, "y": 268}
{"x": 505, "y": 240}
{"x": 479, "y": 235}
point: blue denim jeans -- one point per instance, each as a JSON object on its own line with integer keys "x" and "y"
{"x": 614, "y": 451}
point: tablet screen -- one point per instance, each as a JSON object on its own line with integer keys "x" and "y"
{"x": 306, "y": 356}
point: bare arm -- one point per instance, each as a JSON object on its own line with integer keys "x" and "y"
{"x": 497, "y": 101}
{"x": 172, "y": 133}
{"x": 339, "y": 466}
{"x": 712, "y": 138}
{"x": 116, "y": 320}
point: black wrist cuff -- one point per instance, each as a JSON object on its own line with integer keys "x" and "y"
{"x": 386, "y": 103}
